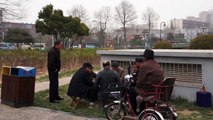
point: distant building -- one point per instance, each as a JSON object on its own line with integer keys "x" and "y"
{"x": 190, "y": 27}
{"x": 207, "y": 16}
{"x": 1, "y": 16}
{"x": 1, "y": 19}
{"x": 5, "y": 26}
{"x": 181, "y": 24}
{"x": 26, "y": 26}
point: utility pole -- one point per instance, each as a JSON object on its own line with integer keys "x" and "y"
{"x": 164, "y": 24}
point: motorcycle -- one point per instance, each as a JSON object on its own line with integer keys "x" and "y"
{"x": 156, "y": 109}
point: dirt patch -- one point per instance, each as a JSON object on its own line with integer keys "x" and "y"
{"x": 186, "y": 112}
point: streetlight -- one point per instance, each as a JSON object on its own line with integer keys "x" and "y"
{"x": 164, "y": 24}
{"x": 144, "y": 33}
{"x": 204, "y": 29}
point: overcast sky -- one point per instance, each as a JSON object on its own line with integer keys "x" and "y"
{"x": 167, "y": 9}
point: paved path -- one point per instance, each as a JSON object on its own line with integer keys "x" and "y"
{"x": 36, "y": 113}
{"x": 45, "y": 85}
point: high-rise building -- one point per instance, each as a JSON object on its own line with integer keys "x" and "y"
{"x": 190, "y": 27}
{"x": 207, "y": 16}
{"x": 1, "y": 25}
{"x": 1, "y": 16}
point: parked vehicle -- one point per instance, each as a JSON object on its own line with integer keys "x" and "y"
{"x": 41, "y": 46}
{"x": 156, "y": 105}
{"x": 7, "y": 46}
{"x": 26, "y": 47}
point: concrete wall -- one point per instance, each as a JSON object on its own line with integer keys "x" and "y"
{"x": 182, "y": 89}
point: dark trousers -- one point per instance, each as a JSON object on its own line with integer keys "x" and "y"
{"x": 53, "y": 88}
{"x": 92, "y": 94}
{"x": 132, "y": 95}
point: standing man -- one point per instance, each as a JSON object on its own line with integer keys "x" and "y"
{"x": 54, "y": 66}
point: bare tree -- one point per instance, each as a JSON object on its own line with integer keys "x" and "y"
{"x": 12, "y": 9}
{"x": 102, "y": 18}
{"x": 80, "y": 12}
{"x": 125, "y": 13}
{"x": 150, "y": 17}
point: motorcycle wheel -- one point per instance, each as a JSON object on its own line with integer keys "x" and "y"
{"x": 149, "y": 115}
{"x": 113, "y": 112}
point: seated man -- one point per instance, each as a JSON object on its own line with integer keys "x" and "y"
{"x": 135, "y": 69}
{"x": 138, "y": 62}
{"x": 119, "y": 70}
{"x": 105, "y": 78}
{"x": 81, "y": 84}
{"x": 149, "y": 73}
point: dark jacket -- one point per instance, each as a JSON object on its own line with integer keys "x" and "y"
{"x": 54, "y": 61}
{"x": 80, "y": 83}
{"x": 149, "y": 73}
{"x": 105, "y": 78}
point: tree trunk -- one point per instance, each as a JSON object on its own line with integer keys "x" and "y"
{"x": 18, "y": 46}
{"x": 125, "y": 38}
{"x": 101, "y": 38}
{"x": 72, "y": 43}
{"x": 149, "y": 35}
{"x": 81, "y": 38}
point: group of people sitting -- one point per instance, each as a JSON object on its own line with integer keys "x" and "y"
{"x": 87, "y": 84}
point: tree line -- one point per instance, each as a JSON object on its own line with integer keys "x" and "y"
{"x": 73, "y": 27}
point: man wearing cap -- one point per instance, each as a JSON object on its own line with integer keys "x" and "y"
{"x": 119, "y": 70}
{"x": 149, "y": 73}
{"x": 81, "y": 84}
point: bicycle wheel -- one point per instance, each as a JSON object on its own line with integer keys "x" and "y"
{"x": 115, "y": 111}
{"x": 149, "y": 115}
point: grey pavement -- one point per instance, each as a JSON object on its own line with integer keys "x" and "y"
{"x": 36, "y": 113}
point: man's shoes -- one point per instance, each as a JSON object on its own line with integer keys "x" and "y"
{"x": 54, "y": 101}
{"x": 59, "y": 98}
{"x": 91, "y": 105}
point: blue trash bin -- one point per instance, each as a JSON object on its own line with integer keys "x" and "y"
{"x": 204, "y": 99}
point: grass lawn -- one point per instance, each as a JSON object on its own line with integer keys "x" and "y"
{"x": 186, "y": 110}
{"x": 189, "y": 111}
{"x": 41, "y": 100}
{"x": 62, "y": 74}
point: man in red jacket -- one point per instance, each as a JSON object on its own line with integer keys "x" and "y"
{"x": 149, "y": 73}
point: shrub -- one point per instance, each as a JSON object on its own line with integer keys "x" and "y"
{"x": 163, "y": 45}
{"x": 70, "y": 59}
{"x": 202, "y": 42}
